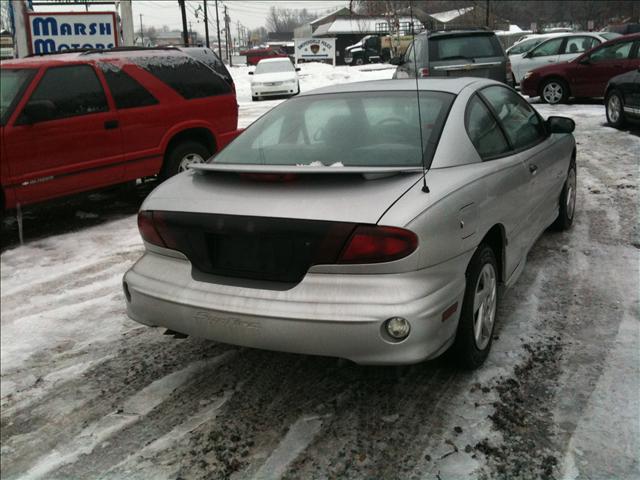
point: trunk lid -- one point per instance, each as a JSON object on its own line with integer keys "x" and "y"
{"x": 231, "y": 226}
{"x": 339, "y": 195}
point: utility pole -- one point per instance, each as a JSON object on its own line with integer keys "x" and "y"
{"x": 185, "y": 33}
{"x": 238, "y": 32}
{"x": 191, "y": 34}
{"x": 206, "y": 25}
{"x": 227, "y": 34}
{"x": 488, "y": 11}
{"x": 141, "y": 33}
{"x": 218, "y": 27}
{"x": 126, "y": 17}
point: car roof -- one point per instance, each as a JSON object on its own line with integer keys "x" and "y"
{"x": 449, "y": 85}
{"x": 90, "y": 56}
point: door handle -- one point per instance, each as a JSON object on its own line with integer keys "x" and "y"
{"x": 111, "y": 124}
{"x": 533, "y": 169}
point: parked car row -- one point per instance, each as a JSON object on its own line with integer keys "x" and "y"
{"x": 586, "y": 75}
{"x": 275, "y": 241}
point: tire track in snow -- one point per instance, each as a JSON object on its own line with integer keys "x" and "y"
{"x": 135, "y": 408}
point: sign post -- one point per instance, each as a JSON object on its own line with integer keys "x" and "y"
{"x": 57, "y": 32}
{"x": 315, "y": 49}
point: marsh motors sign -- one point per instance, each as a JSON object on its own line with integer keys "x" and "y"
{"x": 56, "y": 32}
{"x": 314, "y": 49}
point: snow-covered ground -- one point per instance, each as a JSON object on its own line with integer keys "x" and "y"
{"x": 88, "y": 393}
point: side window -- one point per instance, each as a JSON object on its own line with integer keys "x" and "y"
{"x": 126, "y": 91}
{"x": 550, "y": 47}
{"x": 520, "y": 122}
{"x": 580, "y": 44}
{"x": 483, "y": 130}
{"x": 617, "y": 51}
{"x": 187, "y": 76}
{"x": 73, "y": 90}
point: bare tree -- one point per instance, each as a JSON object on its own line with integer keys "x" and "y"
{"x": 286, "y": 19}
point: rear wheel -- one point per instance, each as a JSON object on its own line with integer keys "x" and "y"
{"x": 554, "y": 91}
{"x": 567, "y": 205}
{"x": 477, "y": 317}
{"x": 614, "y": 109}
{"x": 182, "y": 156}
{"x": 358, "y": 61}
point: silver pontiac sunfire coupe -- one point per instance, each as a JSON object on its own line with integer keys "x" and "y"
{"x": 372, "y": 221}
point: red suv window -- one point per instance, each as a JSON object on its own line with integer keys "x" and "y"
{"x": 187, "y": 76}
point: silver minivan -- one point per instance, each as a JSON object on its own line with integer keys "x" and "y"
{"x": 455, "y": 53}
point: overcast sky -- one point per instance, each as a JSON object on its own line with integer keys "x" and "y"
{"x": 251, "y": 13}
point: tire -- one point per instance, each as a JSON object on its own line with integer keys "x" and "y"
{"x": 567, "y": 201}
{"x": 181, "y": 155}
{"x": 554, "y": 91}
{"x": 614, "y": 107}
{"x": 470, "y": 349}
{"x": 254, "y": 98}
{"x": 358, "y": 61}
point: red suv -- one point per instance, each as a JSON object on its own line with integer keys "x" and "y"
{"x": 79, "y": 121}
{"x": 586, "y": 75}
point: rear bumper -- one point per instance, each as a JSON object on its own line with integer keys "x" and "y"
{"x": 325, "y": 314}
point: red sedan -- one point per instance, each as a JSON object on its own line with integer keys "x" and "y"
{"x": 586, "y": 75}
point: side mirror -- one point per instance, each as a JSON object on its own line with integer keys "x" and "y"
{"x": 298, "y": 69}
{"x": 584, "y": 61}
{"x": 38, "y": 111}
{"x": 560, "y": 125}
{"x": 528, "y": 54}
{"x": 250, "y": 73}
{"x": 396, "y": 60}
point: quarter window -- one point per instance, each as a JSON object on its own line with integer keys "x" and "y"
{"x": 520, "y": 122}
{"x": 187, "y": 76}
{"x": 483, "y": 130}
{"x": 617, "y": 51}
{"x": 73, "y": 90}
{"x": 550, "y": 47}
{"x": 126, "y": 91}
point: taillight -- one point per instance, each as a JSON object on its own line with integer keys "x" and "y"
{"x": 148, "y": 230}
{"x": 373, "y": 244}
{"x": 153, "y": 229}
{"x": 424, "y": 72}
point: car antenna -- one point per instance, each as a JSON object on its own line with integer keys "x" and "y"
{"x": 425, "y": 188}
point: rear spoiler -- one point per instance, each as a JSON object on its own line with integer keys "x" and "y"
{"x": 367, "y": 172}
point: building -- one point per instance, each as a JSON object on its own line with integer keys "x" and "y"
{"x": 348, "y": 30}
{"x": 6, "y": 44}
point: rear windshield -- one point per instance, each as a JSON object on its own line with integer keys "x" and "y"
{"x": 464, "y": 47}
{"x": 357, "y": 129}
{"x": 274, "y": 67}
{"x": 12, "y": 84}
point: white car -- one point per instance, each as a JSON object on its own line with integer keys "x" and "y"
{"x": 274, "y": 77}
{"x": 557, "y": 49}
{"x": 527, "y": 42}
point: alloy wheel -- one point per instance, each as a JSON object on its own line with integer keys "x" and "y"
{"x": 614, "y": 108}
{"x": 552, "y": 92}
{"x": 571, "y": 192}
{"x": 484, "y": 306}
{"x": 188, "y": 160}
